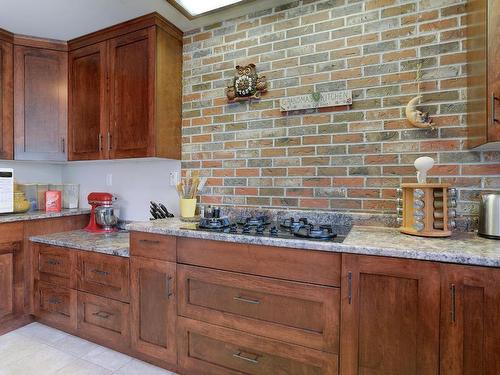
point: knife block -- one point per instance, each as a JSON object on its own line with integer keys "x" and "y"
{"x": 426, "y": 210}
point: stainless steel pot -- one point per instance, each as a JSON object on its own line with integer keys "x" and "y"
{"x": 489, "y": 216}
{"x": 105, "y": 217}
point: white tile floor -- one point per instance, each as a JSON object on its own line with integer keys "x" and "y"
{"x": 41, "y": 350}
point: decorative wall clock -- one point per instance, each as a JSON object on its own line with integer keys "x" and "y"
{"x": 247, "y": 84}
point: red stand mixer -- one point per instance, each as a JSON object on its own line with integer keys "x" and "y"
{"x": 102, "y": 215}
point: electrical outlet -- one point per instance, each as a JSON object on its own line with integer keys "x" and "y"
{"x": 174, "y": 178}
{"x": 109, "y": 179}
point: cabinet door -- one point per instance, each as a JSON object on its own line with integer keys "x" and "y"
{"x": 6, "y": 284}
{"x": 40, "y": 110}
{"x": 132, "y": 93}
{"x": 390, "y": 316}
{"x": 153, "y": 305}
{"x": 88, "y": 102}
{"x": 494, "y": 69}
{"x": 6, "y": 101}
{"x": 470, "y": 315}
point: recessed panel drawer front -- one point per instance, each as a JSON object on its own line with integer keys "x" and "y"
{"x": 104, "y": 275}
{"x": 56, "y": 305}
{"x": 156, "y": 246}
{"x": 293, "y": 312}
{"x": 104, "y": 319}
{"x": 215, "y": 350}
{"x": 54, "y": 265}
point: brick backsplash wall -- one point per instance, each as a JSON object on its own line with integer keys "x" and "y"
{"x": 352, "y": 159}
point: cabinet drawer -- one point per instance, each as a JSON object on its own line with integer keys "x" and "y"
{"x": 212, "y": 350}
{"x": 54, "y": 265}
{"x": 316, "y": 267}
{"x": 55, "y": 305}
{"x": 104, "y": 275}
{"x": 104, "y": 319}
{"x": 154, "y": 246}
{"x": 298, "y": 313}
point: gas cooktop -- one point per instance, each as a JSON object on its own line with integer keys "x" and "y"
{"x": 262, "y": 226}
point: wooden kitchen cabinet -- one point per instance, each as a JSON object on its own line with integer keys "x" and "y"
{"x": 6, "y": 97}
{"x": 128, "y": 78}
{"x": 470, "y": 315}
{"x": 483, "y": 74}
{"x": 6, "y": 284}
{"x": 153, "y": 305}
{"x": 40, "y": 105}
{"x": 88, "y": 104}
{"x": 56, "y": 306}
{"x": 389, "y": 316}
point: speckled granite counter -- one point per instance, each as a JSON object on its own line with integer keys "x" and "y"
{"x": 37, "y": 215}
{"x": 109, "y": 243}
{"x": 461, "y": 248}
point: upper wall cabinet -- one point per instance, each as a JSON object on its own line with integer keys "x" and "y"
{"x": 483, "y": 54}
{"x": 6, "y": 96}
{"x": 125, "y": 92}
{"x": 40, "y": 103}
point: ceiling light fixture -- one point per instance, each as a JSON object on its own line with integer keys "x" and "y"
{"x": 196, "y": 8}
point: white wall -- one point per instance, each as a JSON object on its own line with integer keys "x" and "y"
{"x": 35, "y": 172}
{"x": 135, "y": 182}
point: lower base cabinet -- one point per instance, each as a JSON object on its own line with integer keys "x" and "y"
{"x": 390, "y": 316}
{"x": 6, "y": 284}
{"x": 154, "y": 312}
{"x": 56, "y": 305}
{"x": 213, "y": 350}
{"x": 470, "y": 316}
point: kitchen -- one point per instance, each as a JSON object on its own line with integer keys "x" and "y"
{"x": 250, "y": 187}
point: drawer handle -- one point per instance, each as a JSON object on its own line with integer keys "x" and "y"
{"x": 493, "y": 107}
{"x": 349, "y": 286}
{"x": 101, "y": 273}
{"x": 247, "y": 357}
{"x": 54, "y": 301}
{"x": 102, "y": 314}
{"x": 247, "y": 300}
{"x": 168, "y": 287}
{"x": 453, "y": 311}
{"x": 153, "y": 242}
{"x": 53, "y": 262}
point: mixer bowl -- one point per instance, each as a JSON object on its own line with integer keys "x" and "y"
{"x": 105, "y": 217}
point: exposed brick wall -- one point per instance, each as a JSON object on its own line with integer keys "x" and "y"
{"x": 340, "y": 160}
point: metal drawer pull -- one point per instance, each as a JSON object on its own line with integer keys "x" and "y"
{"x": 493, "y": 107}
{"x": 102, "y": 314}
{"x": 453, "y": 303}
{"x": 102, "y": 273}
{"x": 240, "y": 355}
{"x": 100, "y": 141}
{"x": 155, "y": 242}
{"x": 54, "y": 301}
{"x": 247, "y": 300}
{"x": 349, "y": 286}
{"x": 168, "y": 287}
{"x": 53, "y": 262}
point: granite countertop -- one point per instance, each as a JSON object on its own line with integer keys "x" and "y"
{"x": 105, "y": 243}
{"x": 37, "y": 215}
{"x": 461, "y": 248}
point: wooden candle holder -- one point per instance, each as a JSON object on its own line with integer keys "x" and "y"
{"x": 435, "y": 210}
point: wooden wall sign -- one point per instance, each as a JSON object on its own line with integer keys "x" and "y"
{"x": 316, "y": 100}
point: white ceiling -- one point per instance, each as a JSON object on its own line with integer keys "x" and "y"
{"x": 68, "y": 19}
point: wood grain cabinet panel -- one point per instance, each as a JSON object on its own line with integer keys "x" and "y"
{"x": 390, "y": 316}
{"x": 470, "y": 315}
{"x": 6, "y": 100}
{"x": 153, "y": 305}
{"x": 104, "y": 275}
{"x": 293, "y": 312}
{"x": 211, "y": 350}
{"x": 6, "y": 284}
{"x": 55, "y": 265}
{"x": 55, "y": 306}
{"x": 88, "y": 102}
{"x": 104, "y": 319}
{"x": 131, "y": 90}
{"x": 40, "y": 111}
{"x": 156, "y": 246}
